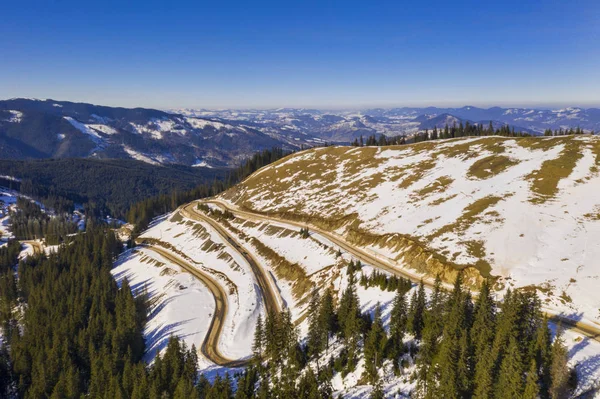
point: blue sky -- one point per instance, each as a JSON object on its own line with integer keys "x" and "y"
{"x": 323, "y": 53}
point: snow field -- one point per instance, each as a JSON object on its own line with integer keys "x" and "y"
{"x": 209, "y": 253}
{"x": 181, "y": 305}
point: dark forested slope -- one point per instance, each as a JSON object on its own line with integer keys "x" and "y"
{"x": 106, "y": 186}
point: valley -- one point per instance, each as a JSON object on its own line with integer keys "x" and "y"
{"x": 300, "y": 200}
{"x": 327, "y": 219}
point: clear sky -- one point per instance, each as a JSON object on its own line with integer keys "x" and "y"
{"x": 323, "y": 53}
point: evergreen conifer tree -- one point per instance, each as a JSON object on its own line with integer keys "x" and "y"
{"x": 398, "y": 320}
{"x": 559, "y": 371}
{"x": 532, "y": 388}
{"x": 374, "y": 346}
{"x": 258, "y": 343}
{"x": 510, "y": 377}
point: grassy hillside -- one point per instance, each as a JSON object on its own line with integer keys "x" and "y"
{"x": 519, "y": 209}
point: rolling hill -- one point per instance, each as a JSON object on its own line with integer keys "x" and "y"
{"x": 522, "y": 211}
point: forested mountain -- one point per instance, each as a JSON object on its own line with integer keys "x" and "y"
{"x": 60, "y": 129}
{"x": 105, "y": 187}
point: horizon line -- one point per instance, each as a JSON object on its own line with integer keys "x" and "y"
{"x": 388, "y": 106}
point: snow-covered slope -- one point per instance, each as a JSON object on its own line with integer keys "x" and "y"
{"x": 525, "y": 211}
{"x": 297, "y": 265}
{"x": 48, "y": 128}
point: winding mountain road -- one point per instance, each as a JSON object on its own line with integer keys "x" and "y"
{"x": 588, "y": 329}
{"x": 273, "y": 301}
{"x": 272, "y": 298}
{"x": 210, "y": 345}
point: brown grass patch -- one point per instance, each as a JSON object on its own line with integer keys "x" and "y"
{"x": 544, "y": 181}
{"x": 490, "y": 166}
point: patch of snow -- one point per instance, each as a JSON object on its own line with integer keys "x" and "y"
{"x": 85, "y": 129}
{"x": 103, "y": 128}
{"x": 15, "y": 116}
{"x": 101, "y": 119}
{"x": 210, "y": 253}
{"x": 139, "y": 156}
{"x": 202, "y": 164}
{"x": 550, "y": 243}
{"x": 203, "y": 123}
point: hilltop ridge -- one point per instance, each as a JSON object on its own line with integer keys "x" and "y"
{"x": 520, "y": 210}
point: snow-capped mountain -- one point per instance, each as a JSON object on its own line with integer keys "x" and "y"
{"x": 48, "y": 128}
{"x": 32, "y": 128}
{"x": 345, "y": 126}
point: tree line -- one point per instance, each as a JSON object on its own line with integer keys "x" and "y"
{"x": 461, "y": 130}
{"x": 564, "y": 132}
{"x": 102, "y": 186}
{"x": 385, "y": 282}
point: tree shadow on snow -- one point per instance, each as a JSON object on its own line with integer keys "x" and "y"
{"x": 158, "y": 338}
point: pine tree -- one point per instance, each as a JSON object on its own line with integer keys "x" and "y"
{"x": 259, "y": 337}
{"x": 308, "y": 387}
{"x": 374, "y": 346}
{"x": 452, "y": 365}
{"x": 482, "y": 336}
{"x": 464, "y": 371}
{"x": 377, "y": 392}
{"x": 510, "y": 377}
{"x": 349, "y": 317}
{"x": 271, "y": 337}
{"x": 482, "y": 333}
{"x": 543, "y": 357}
{"x": 559, "y": 369}
{"x": 532, "y": 388}
{"x": 506, "y": 328}
{"x": 398, "y": 320}
{"x": 327, "y": 318}
{"x": 315, "y": 328}
{"x": 417, "y": 311}
{"x": 184, "y": 389}
{"x": 484, "y": 375}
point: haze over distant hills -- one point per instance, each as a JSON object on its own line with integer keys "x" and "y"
{"x": 58, "y": 129}
{"x": 31, "y": 129}
{"x": 347, "y": 125}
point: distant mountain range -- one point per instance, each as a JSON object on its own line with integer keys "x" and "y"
{"x": 36, "y": 129}
{"x": 59, "y": 129}
{"x": 347, "y": 125}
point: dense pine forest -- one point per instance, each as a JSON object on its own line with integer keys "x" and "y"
{"x": 29, "y": 222}
{"x": 461, "y": 348}
{"x": 103, "y": 187}
{"x": 81, "y": 334}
